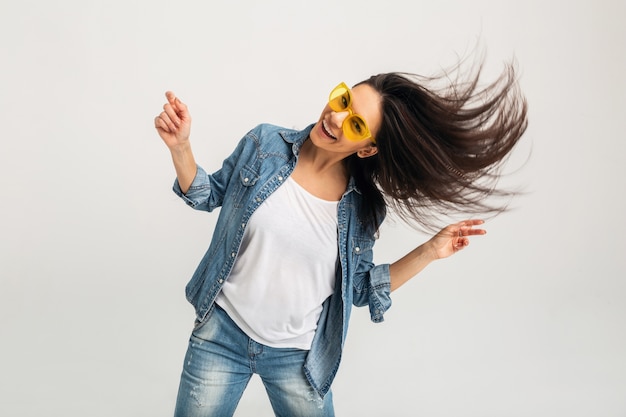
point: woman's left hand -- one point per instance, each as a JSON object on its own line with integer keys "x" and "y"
{"x": 454, "y": 237}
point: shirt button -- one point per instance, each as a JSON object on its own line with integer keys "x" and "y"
{"x": 280, "y": 178}
{"x": 232, "y": 255}
{"x": 258, "y": 200}
{"x": 357, "y": 249}
{"x": 221, "y": 281}
{"x": 246, "y": 179}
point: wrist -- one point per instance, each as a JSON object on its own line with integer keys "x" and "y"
{"x": 181, "y": 151}
{"x": 181, "y": 148}
{"x": 430, "y": 251}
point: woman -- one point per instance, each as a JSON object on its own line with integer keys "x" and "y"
{"x": 300, "y": 211}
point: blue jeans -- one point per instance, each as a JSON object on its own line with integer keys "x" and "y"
{"x": 219, "y": 363}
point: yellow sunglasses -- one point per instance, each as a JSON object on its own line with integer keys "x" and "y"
{"x": 354, "y": 126}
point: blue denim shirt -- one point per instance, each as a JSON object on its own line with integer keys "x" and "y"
{"x": 262, "y": 161}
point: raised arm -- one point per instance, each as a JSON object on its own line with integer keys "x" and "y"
{"x": 174, "y": 126}
{"x": 448, "y": 241}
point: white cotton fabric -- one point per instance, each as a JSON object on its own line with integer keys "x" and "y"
{"x": 285, "y": 268}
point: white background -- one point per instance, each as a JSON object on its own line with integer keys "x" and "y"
{"x": 95, "y": 249}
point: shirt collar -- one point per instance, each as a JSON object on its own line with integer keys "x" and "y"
{"x": 296, "y": 137}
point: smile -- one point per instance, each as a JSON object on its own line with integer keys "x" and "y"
{"x": 327, "y": 131}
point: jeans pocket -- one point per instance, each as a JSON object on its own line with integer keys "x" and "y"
{"x": 198, "y": 324}
{"x": 208, "y": 327}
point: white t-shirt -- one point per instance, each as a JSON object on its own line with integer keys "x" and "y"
{"x": 285, "y": 268}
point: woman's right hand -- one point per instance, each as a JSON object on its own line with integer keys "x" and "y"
{"x": 174, "y": 125}
{"x": 174, "y": 122}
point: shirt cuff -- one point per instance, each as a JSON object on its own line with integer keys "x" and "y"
{"x": 380, "y": 294}
{"x": 198, "y": 190}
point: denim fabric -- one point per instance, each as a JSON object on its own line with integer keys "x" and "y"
{"x": 261, "y": 162}
{"x": 219, "y": 363}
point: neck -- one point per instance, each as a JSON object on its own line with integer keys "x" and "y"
{"x": 320, "y": 172}
{"x": 321, "y": 161}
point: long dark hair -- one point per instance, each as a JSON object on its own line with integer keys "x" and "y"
{"x": 440, "y": 149}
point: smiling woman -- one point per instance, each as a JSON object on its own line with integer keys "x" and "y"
{"x": 389, "y": 141}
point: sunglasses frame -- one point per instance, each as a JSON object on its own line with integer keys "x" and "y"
{"x": 336, "y": 94}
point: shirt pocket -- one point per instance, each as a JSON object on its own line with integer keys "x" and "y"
{"x": 248, "y": 177}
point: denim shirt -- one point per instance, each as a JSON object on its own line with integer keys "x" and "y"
{"x": 262, "y": 161}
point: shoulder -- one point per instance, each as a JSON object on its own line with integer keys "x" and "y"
{"x": 271, "y": 137}
{"x": 263, "y": 133}
{"x": 265, "y": 130}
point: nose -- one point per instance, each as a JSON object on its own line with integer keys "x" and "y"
{"x": 338, "y": 117}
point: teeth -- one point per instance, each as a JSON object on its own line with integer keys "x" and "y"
{"x": 327, "y": 130}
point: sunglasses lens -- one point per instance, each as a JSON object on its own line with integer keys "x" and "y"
{"x": 355, "y": 129}
{"x": 339, "y": 99}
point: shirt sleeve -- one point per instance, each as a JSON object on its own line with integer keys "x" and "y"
{"x": 199, "y": 192}
{"x": 372, "y": 287}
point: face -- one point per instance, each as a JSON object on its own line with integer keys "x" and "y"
{"x": 328, "y": 133}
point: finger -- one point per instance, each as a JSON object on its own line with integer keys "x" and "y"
{"x": 179, "y": 107}
{"x": 468, "y": 224}
{"x": 167, "y": 122}
{"x": 469, "y": 231}
{"x": 172, "y": 103}
{"x": 471, "y": 222}
{"x": 182, "y": 109}
{"x": 466, "y": 231}
{"x": 172, "y": 114}
{"x": 461, "y": 243}
{"x": 171, "y": 97}
{"x": 160, "y": 124}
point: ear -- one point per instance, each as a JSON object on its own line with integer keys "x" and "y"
{"x": 370, "y": 150}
